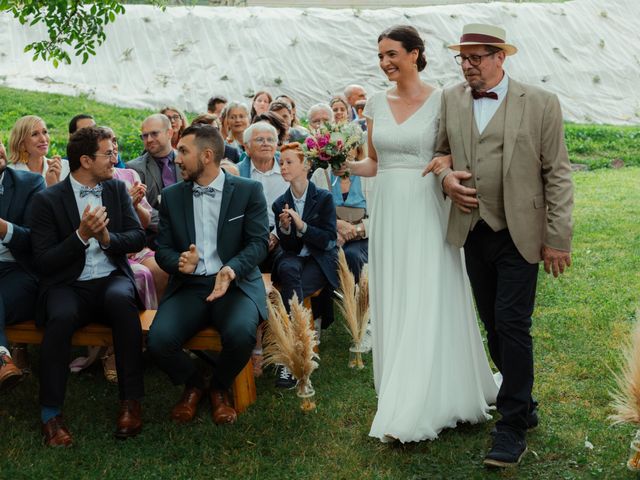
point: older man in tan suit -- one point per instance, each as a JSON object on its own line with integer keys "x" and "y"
{"x": 513, "y": 196}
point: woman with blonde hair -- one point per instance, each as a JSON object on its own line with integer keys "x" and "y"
{"x": 28, "y": 148}
{"x": 236, "y": 115}
{"x": 178, "y": 123}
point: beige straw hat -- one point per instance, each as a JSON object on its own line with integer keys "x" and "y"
{"x": 480, "y": 34}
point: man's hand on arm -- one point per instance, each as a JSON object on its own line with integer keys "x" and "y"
{"x": 463, "y": 197}
{"x": 555, "y": 261}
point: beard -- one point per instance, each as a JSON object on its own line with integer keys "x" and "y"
{"x": 192, "y": 176}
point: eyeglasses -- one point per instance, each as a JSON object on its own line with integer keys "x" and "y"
{"x": 174, "y": 117}
{"x": 110, "y": 153}
{"x": 153, "y": 134}
{"x": 474, "y": 60}
{"x": 263, "y": 140}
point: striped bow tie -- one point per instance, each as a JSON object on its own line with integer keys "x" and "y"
{"x": 198, "y": 191}
{"x": 95, "y": 191}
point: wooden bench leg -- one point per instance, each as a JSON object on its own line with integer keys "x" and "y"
{"x": 244, "y": 389}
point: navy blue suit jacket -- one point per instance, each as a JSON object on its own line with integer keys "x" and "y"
{"x": 19, "y": 189}
{"x": 320, "y": 238}
{"x": 59, "y": 255}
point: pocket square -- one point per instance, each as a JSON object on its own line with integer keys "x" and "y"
{"x": 235, "y": 218}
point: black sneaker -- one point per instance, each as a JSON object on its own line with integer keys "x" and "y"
{"x": 284, "y": 379}
{"x": 507, "y": 450}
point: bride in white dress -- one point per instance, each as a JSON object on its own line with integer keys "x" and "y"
{"x": 430, "y": 367}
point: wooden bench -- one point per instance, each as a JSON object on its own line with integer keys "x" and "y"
{"x": 244, "y": 387}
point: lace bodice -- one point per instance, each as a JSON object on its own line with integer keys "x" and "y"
{"x": 409, "y": 144}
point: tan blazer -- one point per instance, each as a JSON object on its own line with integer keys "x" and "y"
{"x": 536, "y": 174}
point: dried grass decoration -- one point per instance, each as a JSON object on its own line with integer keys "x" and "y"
{"x": 354, "y": 305}
{"x": 289, "y": 340}
{"x": 626, "y": 400}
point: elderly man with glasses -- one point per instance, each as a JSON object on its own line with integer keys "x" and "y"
{"x": 81, "y": 231}
{"x": 156, "y": 166}
{"x": 261, "y": 165}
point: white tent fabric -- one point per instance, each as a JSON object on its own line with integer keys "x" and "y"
{"x": 583, "y": 50}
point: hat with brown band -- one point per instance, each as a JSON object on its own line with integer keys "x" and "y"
{"x": 481, "y": 34}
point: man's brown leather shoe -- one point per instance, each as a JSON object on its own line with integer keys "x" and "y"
{"x": 10, "y": 374}
{"x": 221, "y": 410}
{"x": 130, "y": 419}
{"x": 56, "y": 434}
{"x": 187, "y": 406}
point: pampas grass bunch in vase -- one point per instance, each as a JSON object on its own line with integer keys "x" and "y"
{"x": 626, "y": 399}
{"x": 354, "y": 305}
{"x": 289, "y": 340}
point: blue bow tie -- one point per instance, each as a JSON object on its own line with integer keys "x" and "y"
{"x": 96, "y": 191}
{"x": 198, "y": 191}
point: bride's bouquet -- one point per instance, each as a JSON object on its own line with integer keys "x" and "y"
{"x": 333, "y": 144}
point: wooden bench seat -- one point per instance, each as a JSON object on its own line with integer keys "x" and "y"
{"x": 244, "y": 387}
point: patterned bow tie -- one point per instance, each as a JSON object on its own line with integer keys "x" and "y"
{"x": 476, "y": 95}
{"x": 96, "y": 191}
{"x": 198, "y": 191}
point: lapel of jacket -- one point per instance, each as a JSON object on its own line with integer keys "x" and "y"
{"x": 310, "y": 201}
{"x": 153, "y": 171}
{"x": 178, "y": 169}
{"x": 69, "y": 201}
{"x": 187, "y": 199}
{"x": 227, "y": 193}
{"x": 465, "y": 110}
{"x": 512, "y": 120}
{"x": 109, "y": 202}
{"x": 7, "y": 196}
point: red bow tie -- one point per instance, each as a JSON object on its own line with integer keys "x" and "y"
{"x": 476, "y": 95}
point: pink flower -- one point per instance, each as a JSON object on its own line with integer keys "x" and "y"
{"x": 324, "y": 157}
{"x": 339, "y": 144}
{"x": 323, "y": 140}
{"x": 311, "y": 143}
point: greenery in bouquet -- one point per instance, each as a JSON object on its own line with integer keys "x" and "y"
{"x": 333, "y": 144}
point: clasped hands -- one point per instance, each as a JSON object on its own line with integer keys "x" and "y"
{"x": 289, "y": 215}
{"x": 188, "y": 262}
{"x": 93, "y": 224}
{"x": 137, "y": 193}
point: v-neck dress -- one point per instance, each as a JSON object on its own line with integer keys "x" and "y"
{"x": 430, "y": 367}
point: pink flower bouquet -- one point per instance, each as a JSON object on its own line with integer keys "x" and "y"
{"x": 333, "y": 144}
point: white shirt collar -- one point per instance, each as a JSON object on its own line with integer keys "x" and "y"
{"x": 274, "y": 169}
{"x": 76, "y": 185}
{"x": 502, "y": 87}
{"x": 218, "y": 182}
{"x": 303, "y": 198}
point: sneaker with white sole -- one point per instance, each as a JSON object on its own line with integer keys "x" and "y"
{"x": 284, "y": 379}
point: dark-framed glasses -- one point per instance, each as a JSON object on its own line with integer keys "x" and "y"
{"x": 474, "y": 60}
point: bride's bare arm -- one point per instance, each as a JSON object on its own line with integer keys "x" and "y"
{"x": 367, "y": 167}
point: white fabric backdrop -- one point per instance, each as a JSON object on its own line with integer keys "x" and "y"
{"x": 586, "y": 51}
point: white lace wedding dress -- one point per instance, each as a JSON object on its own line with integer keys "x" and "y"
{"x": 430, "y": 367}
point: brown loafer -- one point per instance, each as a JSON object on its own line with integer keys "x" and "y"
{"x": 222, "y": 411}
{"x": 10, "y": 374}
{"x": 129, "y": 420}
{"x": 56, "y": 434}
{"x": 187, "y": 406}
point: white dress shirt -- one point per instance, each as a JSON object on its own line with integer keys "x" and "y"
{"x": 206, "y": 216}
{"x": 273, "y": 186}
{"x": 5, "y": 253}
{"x": 485, "y": 108}
{"x": 97, "y": 264}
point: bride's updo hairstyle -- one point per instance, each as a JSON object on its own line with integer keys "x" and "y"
{"x": 410, "y": 40}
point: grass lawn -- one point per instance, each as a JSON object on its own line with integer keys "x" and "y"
{"x": 580, "y": 321}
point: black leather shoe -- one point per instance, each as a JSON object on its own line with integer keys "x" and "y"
{"x": 507, "y": 450}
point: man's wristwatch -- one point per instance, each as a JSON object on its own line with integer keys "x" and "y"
{"x": 359, "y": 230}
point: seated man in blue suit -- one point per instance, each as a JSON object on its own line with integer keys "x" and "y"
{"x": 306, "y": 227}
{"x": 18, "y": 285}
{"x": 82, "y": 230}
{"x": 212, "y": 235}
